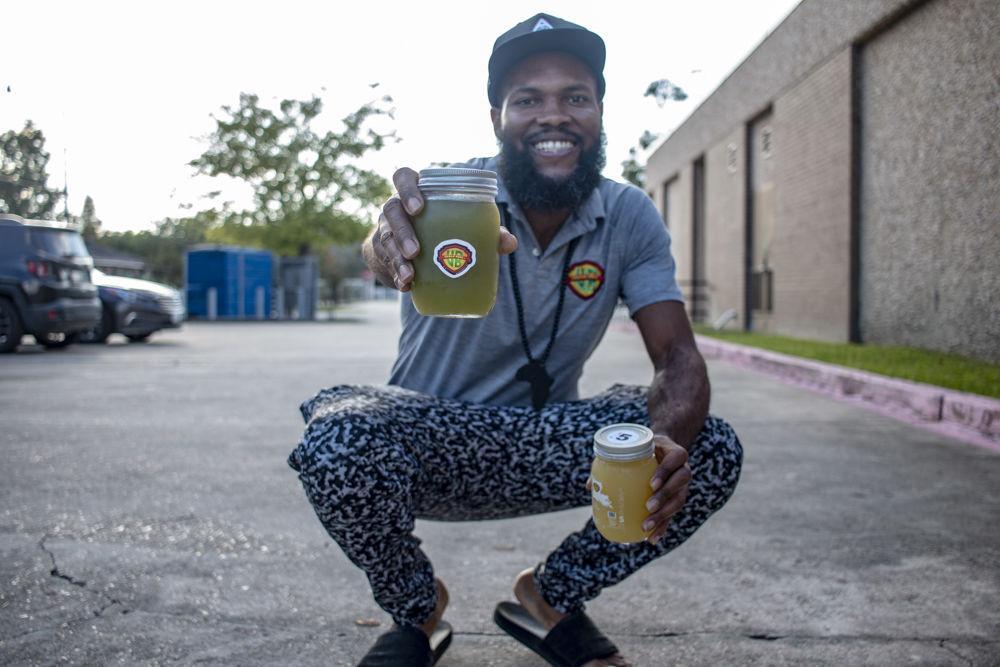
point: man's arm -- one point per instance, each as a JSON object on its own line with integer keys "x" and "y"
{"x": 679, "y": 394}
{"x": 678, "y": 405}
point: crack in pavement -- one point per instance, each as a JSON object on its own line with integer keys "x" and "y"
{"x": 109, "y": 601}
{"x": 944, "y": 644}
{"x": 941, "y": 642}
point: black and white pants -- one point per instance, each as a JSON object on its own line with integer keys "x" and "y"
{"x": 373, "y": 459}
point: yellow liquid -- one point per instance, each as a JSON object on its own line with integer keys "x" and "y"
{"x": 472, "y": 292}
{"x": 619, "y": 494}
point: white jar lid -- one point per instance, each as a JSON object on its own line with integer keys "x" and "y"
{"x": 624, "y": 442}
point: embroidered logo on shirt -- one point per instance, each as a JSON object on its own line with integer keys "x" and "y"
{"x": 454, "y": 257}
{"x": 585, "y": 278}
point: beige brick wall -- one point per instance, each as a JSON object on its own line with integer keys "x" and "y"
{"x": 679, "y": 226}
{"x": 930, "y": 194}
{"x": 811, "y": 248}
{"x": 725, "y": 192}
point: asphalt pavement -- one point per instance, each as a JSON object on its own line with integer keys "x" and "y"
{"x": 147, "y": 516}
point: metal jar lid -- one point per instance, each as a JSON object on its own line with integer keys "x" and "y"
{"x": 458, "y": 180}
{"x": 623, "y": 442}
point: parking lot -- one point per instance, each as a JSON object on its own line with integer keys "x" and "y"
{"x": 147, "y": 516}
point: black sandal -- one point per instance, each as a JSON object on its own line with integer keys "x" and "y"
{"x": 570, "y": 643}
{"x": 408, "y": 646}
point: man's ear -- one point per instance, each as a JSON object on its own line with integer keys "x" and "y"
{"x": 495, "y": 117}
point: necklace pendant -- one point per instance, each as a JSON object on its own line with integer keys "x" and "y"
{"x": 534, "y": 374}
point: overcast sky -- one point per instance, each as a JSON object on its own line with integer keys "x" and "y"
{"x": 125, "y": 89}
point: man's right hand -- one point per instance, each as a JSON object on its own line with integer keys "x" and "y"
{"x": 392, "y": 245}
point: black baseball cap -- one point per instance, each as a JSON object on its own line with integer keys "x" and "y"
{"x": 544, "y": 32}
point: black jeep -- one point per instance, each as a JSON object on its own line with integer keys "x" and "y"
{"x": 45, "y": 287}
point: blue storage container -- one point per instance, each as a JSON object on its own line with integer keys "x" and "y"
{"x": 228, "y": 282}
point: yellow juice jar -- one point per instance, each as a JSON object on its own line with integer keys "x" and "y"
{"x": 624, "y": 463}
{"x": 455, "y": 274}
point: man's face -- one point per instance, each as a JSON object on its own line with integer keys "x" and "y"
{"x": 550, "y": 110}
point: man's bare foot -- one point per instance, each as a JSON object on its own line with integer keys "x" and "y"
{"x": 527, "y": 594}
{"x": 442, "y": 601}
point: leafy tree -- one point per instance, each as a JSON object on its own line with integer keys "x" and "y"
{"x": 308, "y": 191}
{"x": 89, "y": 223}
{"x": 662, "y": 90}
{"x": 163, "y": 249}
{"x": 23, "y": 178}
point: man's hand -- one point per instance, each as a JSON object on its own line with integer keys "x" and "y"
{"x": 392, "y": 245}
{"x": 670, "y": 487}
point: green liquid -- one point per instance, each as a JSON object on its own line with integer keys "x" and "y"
{"x": 469, "y": 224}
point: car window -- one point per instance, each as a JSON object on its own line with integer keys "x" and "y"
{"x": 59, "y": 242}
{"x": 10, "y": 239}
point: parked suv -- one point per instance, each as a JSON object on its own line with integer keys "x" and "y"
{"x": 45, "y": 287}
{"x": 134, "y": 307}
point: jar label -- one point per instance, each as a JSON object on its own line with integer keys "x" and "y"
{"x": 454, "y": 257}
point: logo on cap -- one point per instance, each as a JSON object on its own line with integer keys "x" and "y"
{"x": 585, "y": 278}
{"x": 454, "y": 257}
{"x": 542, "y": 24}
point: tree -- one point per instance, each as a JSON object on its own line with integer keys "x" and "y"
{"x": 662, "y": 90}
{"x": 163, "y": 249}
{"x": 23, "y": 178}
{"x": 90, "y": 224}
{"x": 308, "y": 191}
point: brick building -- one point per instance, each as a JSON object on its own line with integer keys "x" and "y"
{"x": 843, "y": 183}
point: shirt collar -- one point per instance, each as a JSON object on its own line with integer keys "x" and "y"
{"x": 582, "y": 221}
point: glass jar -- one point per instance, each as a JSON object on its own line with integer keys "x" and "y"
{"x": 456, "y": 272}
{"x": 624, "y": 463}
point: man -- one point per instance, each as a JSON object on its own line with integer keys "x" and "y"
{"x": 464, "y": 432}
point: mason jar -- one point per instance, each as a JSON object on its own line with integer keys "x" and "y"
{"x": 623, "y": 467}
{"x": 456, "y": 272}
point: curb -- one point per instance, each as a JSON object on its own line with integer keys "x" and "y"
{"x": 968, "y": 417}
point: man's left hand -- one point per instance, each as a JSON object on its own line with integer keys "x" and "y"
{"x": 670, "y": 487}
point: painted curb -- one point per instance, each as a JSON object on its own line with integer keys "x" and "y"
{"x": 968, "y": 417}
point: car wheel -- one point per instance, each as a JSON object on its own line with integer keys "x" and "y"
{"x": 56, "y": 341}
{"x": 100, "y": 332}
{"x": 10, "y": 327}
{"x": 139, "y": 338}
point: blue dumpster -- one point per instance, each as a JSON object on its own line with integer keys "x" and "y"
{"x": 228, "y": 282}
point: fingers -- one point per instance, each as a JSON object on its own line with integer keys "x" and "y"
{"x": 391, "y": 255}
{"x": 670, "y": 456}
{"x": 508, "y": 242}
{"x": 405, "y": 180}
{"x": 658, "y": 523}
{"x": 401, "y": 227}
{"x": 590, "y": 483}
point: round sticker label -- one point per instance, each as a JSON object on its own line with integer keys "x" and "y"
{"x": 454, "y": 257}
{"x": 585, "y": 278}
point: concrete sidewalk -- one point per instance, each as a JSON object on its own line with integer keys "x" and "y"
{"x": 147, "y": 516}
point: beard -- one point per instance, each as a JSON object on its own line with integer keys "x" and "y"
{"x": 536, "y": 192}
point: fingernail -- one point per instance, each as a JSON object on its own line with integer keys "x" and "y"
{"x": 656, "y": 483}
{"x": 410, "y": 247}
{"x": 648, "y": 525}
{"x": 412, "y": 205}
{"x": 652, "y": 504}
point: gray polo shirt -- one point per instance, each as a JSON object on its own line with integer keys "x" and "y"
{"x": 623, "y": 253}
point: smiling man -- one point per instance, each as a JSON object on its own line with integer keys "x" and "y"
{"x": 482, "y": 418}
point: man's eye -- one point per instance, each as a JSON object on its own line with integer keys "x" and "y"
{"x": 525, "y": 102}
{"x": 577, "y": 99}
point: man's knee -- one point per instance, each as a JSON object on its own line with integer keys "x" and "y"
{"x": 349, "y": 466}
{"x": 721, "y": 459}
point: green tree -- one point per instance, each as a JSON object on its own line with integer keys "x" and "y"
{"x": 163, "y": 249}
{"x": 663, "y": 91}
{"x": 23, "y": 179}
{"x": 90, "y": 224}
{"x": 308, "y": 190}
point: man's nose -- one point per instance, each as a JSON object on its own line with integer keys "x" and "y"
{"x": 553, "y": 114}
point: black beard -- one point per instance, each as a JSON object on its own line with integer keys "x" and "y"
{"x": 535, "y": 192}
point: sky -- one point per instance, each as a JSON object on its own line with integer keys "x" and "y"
{"x": 124, "y": 91}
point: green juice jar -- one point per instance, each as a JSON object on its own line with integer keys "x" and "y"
{"x": 456, "y": 272}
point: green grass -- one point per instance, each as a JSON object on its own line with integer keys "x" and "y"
{"x": 906, "y": 363}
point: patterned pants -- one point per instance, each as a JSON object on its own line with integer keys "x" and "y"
{"x": 372, "y": 459}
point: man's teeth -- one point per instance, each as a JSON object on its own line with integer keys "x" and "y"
{"x": 553, "y": 146}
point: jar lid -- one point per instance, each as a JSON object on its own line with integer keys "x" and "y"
{"x": 458, "y": 180}
{"x": 624, "y": 442}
